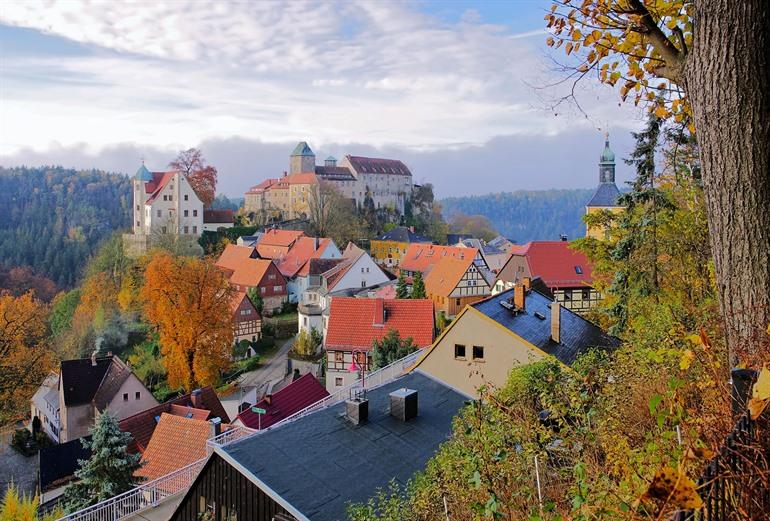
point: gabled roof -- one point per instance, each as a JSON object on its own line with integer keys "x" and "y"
{"x": 264, "y": 185}
{"x": 142, "y": 424}
{"x": 302, "y": 178}
{"x": 304, "y": 391}
{"x": 402, "y": 234}
{"x": 176, "y": 443}
{"x": 316, "y": 266}
{"x": 422, "y": 257}
{"x": 81, "y": 379}
{"x": 244, "y": 269}
{"x": 577, "y": 334}
{"x": 299, "y": 253}
{"x": 158, "y": 183}
{"x": 373, "y": 165}
{"x": 238, "y": 299}
{"x": 275, "y": 237}
{"x": 356, "y": 322}
{"x": 319, "y": 463}
{"x": 446, "y": 275}
{"x": 556, "y": 263}
{"x": 218, "y": 216}
{"x": 117, "y": 373}
{"x": 606, "y": 195}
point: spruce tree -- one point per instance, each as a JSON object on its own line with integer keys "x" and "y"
{"x": 418, "y": 286}
{"x": 109, "y": 471}
{"x": 401, "y": 290}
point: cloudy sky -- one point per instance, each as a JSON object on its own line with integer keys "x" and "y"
{"x": 461, "y": 91}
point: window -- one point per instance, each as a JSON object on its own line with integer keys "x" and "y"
{"x": 163, "y": 229}
{"x": 195, "y": 213}
{"x": 459, "y": 351}
{"x": 478, "y": 352}
{"x": 187, "y": 229}
{"x": 159, "y": 213}
{"x": 457, "y": 301}
{"x": 195, "y": 229}
{"x": 278, "y": 288}
{"x": 165, "y": 198}
{"x": 125, "y": 397}
{"x": 363, "y": 283}
{"x": 362, "y": 270}
{"x": 271, "y": 276}
{"x": 367, "y": 270}
{"x": 170, "y": 197}
{"x": 338, "y": 382}
{"x": 187, "y": 213}
{"x": 262, "y": 290}
{"x": 137, "y": 207}
{"x": 186, "y": 197}
{"x": 137, "y": 223}
{"x": 579, "y": 270}
{"x": 304, "y": 321}
{"x": 138, "y": 395}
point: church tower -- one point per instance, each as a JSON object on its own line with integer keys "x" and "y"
{"x": 606, "y": 195}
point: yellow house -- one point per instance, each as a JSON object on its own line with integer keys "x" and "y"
{"x": 388, "y": 249}
{"x": 607, "y": 193}
{"x": 518, "y": 326}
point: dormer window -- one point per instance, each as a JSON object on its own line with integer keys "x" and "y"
{"x": 578, "y": 270}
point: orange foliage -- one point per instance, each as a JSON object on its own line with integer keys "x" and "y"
{"x": 25, "y": 360}
{"x": 188, "y": 301}
{"x": 202, "y": 177}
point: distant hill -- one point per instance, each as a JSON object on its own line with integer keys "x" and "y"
{"x": 527, "y": 215}
{"x": 52, "y": 219}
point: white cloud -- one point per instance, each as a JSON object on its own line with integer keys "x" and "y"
{"x": 175, "y": 73}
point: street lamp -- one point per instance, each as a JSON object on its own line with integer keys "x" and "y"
{"x": 355, "y": 367}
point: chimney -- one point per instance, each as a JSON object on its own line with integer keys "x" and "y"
{"x": 527, "y": 283}
{"x": 93, "y": 358}
{"x": 195, "y": 399}
{"x": 315, "y": 243}
{"x": 357, "y": 408}
{"x": 519, "y": 297}
{"x": 563, "y": 237}
{"x": 403, "y": 404}
{"x": 268, "y": 399}
{"x": 556, "y": 322}
{"x": 216, "y": 427}
{"x": 379, "y": 312}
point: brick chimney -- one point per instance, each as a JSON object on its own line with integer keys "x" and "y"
{"x": 556, "y": 322}
{"x": 519, "y": 297}
{"x": 195, "y": 399}
{"x": 527, "y": 283}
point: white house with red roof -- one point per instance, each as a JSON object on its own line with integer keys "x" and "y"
{"x": 354, "y": 323}
{"x": 566, "y": 272}
{"x": 165, "y": 207}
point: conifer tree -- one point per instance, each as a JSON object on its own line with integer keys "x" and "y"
{"x": 418, "y": 286}
{"x": 401, "y": 290}
{"x": 109, "y": 471}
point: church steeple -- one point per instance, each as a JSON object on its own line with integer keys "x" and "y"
{"x": 607, "y": 162}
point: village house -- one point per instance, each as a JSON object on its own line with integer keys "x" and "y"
{"x": 606, "y": 196}
{"x": 202, "y": 404}
{"x": 566, "y": 272}
{"x": 388, "y": 248}
{"x": 246, "y": 318}
{"x": 312, "y": 467}
{"x": 423, "y": 257}
{"x": 246, "y": 271}
{"x": 453, "y": 283}
{"x": 45, "y": 408}
{"x": 494, "y": 258}
{"x": 86, "y": 388}
{"x": 354, "y": 323}
{"x": 165, "y": 207}
{"x": 216, "y": 219}
{"x": 518, "y": 326}
{"x": 301, "y": 393}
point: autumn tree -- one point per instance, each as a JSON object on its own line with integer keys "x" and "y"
{"x": 25, "y": 357}
{"x": 477, "y": 226}
{"x": 702, "y": 63}
{"x": 333, "y": 215}
{"x": 188, "y": 300}
{"x": 201, "y": 176}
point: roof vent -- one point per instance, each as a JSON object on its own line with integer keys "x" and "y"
{"x": 403, "y": 404}
{"x": 357, "y": 407}
{"x": 539, "y": 315}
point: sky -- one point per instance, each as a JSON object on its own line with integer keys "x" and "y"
{"x": 463, "y": 92}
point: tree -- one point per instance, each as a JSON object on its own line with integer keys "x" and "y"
{"x": 703, "y": 63}
{"x": 418, "y": 286}
{"x": 202, "y": 177}
{"x": 109, "y": 471}
{"x": 25, "y": 357}
{"x": 188, "y": 302}
{"x": 256, "y": 298}
{"x": 20, "y": 507}
{"x": 391, "y": 348}
{"x": 402, "y": 291}
{"x": 333, "y": 215}
{"x": 307, "y": 343}
{"x": 477, "y": 226}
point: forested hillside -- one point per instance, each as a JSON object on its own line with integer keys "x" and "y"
{"x": 527, "y": 215}
{"x": 52, "y": 219}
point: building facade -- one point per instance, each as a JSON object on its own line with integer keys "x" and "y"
{"x": 389, "y": 248}
{"x": 454, "y": 283}
{"x": 606, "y": 196}
{"x": 246, "y": 319}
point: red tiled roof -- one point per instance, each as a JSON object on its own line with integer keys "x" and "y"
{"x": 557, "y": 264}
{"x": 218, "y": 216}
{"x": 176, "y": 443}
{"x": 356, "y": 322}
{"x": 387, "y": 292}
{"x": 374, "y": 165}
{"x": 235, "y": 304}
{"x": 304, "y": 178}
{"x": 301, "y": 393}
{"x": 302, "y": 250}
{"x": 267, "y": 183}
{"x": 187, "y": 411}
{"x": 284, "y": 238}
{"x": 142, "y": 424}
{"x": 446, "y": 275}
{"x": 159, "y": 181}
{"x": 245, "y": 270}
{"x": 421, "y": 257}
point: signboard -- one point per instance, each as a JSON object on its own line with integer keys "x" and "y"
{"x": 258, "y": 410}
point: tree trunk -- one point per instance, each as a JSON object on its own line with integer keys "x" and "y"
{"x": 727, "y": 78}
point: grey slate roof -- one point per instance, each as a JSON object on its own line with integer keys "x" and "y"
{"x": 320, "y": 463}
{"x": 606, "y": 195}
{"x": 402, "y": 234}
{"x": 577, "y": 334}
{"x": 81, "y": 380}
{"x": 334, "y": 173}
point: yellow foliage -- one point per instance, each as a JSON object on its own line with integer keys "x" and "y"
{"x": 760, "y": 395}
{"x": 674, "y": 488}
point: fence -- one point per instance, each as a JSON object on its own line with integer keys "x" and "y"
{"x": 146, "y": 495}
{"x": 736, "y": 483}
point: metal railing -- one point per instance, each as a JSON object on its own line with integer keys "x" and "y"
{"x": 146, "y": 495}
{"x": 233, "y": 433}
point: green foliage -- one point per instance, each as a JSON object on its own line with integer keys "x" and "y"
{"x": 241, "y": 348}
{"x": 391, "y": 348}
{"x": 386, "y": 505}
{"x": 477, "y": 226}
{"x": 402, "y": 291}
{"x": 256, "y": 298}
{"x": 52, "y": 218}
{"x": 441, "y": 321}
{"x": 307, "y": 344}
{"x": 146, "y": 363}
{"x": 526, "y": 215}
{"x": 209, "y": 240}
{"x": 109, "y": 472}
{"x": 418, "y": 286}
{"x": 63, "y": 309}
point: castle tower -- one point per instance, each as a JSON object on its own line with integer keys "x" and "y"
{"x": 302, "y": 159}
{"x": 606, "y": 195}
